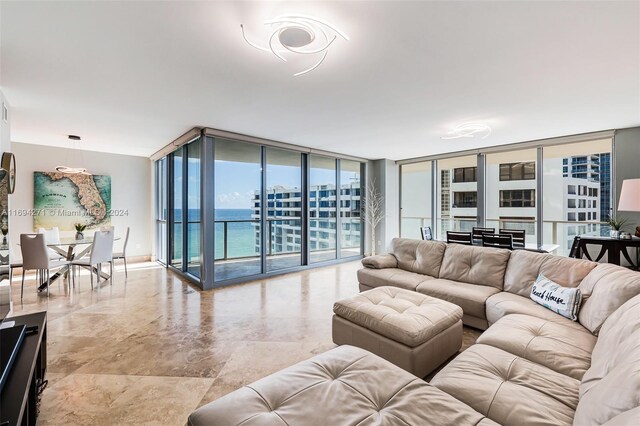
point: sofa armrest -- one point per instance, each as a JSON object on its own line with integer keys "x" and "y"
{"x": 380, "y": 261}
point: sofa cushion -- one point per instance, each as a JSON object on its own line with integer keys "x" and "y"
{"x": 470, "y": 297}
{"x": 391, "y": 277}
{"x": 525, "y": 266}
{"x": 401, "y": 315}
{"x": 559, "y": 344}
{"x": 475, "y": 265}
{"x": 505, "y": 303}
{"x": 631, "y": 417}
{"x": 422, "y": 257}
{"x": 508, "y": 389}
{"x": 609, "y": 287}
{"x": 611, "y": 386}
{"x": 380, "y": 261}
{"x": 344, "y": 386}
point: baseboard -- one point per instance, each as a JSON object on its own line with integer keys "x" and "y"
{"x": 130, "y": 260}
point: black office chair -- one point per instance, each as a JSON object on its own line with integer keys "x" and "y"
{"x": 518, "y": 235}
{"x": 575, "y": 248}
{"x": 497, "y": 241}
{"x": 459, "y": 238}
{"x": 477, "y": 232}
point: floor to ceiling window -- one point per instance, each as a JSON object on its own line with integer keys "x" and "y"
{"x": 177, "y": 187}
{"x": 284, "y": 220}
{"x": 457, "y": 187}
{"x": 577, "y": 191}
{"x": 193, "y": 208}
{"x": 350, "y": 208}
{"x": 569, "y": 183}
{"x": 415, "y": 208}
{"x": 161, "y": 210}
{"x": 511, "y": 192}
{"x": 274, "y": 209}
{"x": 322, "y": 208}
{"x": 238, "y": 236}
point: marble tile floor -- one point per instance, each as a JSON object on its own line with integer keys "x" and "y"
{"x": 151, "y": 348}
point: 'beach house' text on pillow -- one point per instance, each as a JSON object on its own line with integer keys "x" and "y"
{"x": 562, "y": 300}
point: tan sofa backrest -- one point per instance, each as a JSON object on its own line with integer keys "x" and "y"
{"x": 525, "y": 266}
{"x": 422, "y": 257}
{"x": 606, "y": 288}
{"x": 475, "y": 265}
{"x": 611, "y": 386}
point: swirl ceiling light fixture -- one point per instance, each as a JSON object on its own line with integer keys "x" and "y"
{"x": 300, "y": 34}
{"x": 468, "y": 130}
{"x": 73, "y": 170}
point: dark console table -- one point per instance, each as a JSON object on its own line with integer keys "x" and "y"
{"x": 613, "y": 247}
{"x": 19, "y": 396}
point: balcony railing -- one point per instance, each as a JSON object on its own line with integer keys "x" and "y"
{"x": 555, "y": 232}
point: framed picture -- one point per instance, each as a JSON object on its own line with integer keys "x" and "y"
{"x": 426, "y": 233}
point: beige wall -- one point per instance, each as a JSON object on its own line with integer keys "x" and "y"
{"x": 130, "y": 189}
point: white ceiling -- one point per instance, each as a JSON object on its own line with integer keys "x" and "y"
{"x": 130, "y": 77}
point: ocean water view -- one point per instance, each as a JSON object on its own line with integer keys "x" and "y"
{"x": 240, "y": 235}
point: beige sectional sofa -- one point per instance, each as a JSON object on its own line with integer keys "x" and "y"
{"x": 530, "y": 367}
{"x": 486, "y": 283}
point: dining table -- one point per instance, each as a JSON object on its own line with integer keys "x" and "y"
{"x": 71, "y": 249}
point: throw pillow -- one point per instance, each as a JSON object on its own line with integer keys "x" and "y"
{"x": 561, "y": 300}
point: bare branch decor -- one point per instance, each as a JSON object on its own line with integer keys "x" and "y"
{"x": 373, "y": 211}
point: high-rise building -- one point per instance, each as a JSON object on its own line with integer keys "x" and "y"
{"x": 284, "y": 211}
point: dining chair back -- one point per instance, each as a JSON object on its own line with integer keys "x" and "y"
{"x": 504, "y": 241}
{"x": 51, "y": 236}
{"x": 518, "y": 235}
{"x": 35, "y": 255}
{"x": 102, "y": 247}
{"x": 459, "y": 238}
{"x": 34, "y": 251}
{"x": 573, "y": 252}
{"x": 123, "y": 254}
{"x": 478, "y": 231}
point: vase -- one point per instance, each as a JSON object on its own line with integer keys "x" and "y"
{"x": 79, "y": 236}
{"x": 614, "y": 233}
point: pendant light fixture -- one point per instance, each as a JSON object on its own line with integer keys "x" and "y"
{"x": 73, "y": 170}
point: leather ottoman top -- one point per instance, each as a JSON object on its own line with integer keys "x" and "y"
{"x": 346, "y": 386}
{"x": 401, "y": 315}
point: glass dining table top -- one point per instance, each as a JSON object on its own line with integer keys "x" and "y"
{"x": 71, "y": 241}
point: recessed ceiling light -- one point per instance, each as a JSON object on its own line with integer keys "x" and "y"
{"x": 296, "y": 34}
{"x": 74, "y": 137}
{"x": 468, "y": 130}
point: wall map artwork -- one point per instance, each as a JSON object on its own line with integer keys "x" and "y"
{"x": 62, "y": 200}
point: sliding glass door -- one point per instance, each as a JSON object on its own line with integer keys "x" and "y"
{"x": 283, "y": 221}
{"x": 177, "y": 241}
{"x": 238, "y": 236}
{"x": 512, "y": 190}
{"x": 322, "y": 208}
{"x": 457, "y": 195}
{"x": 193, "y": 208}
{"x": 577, "y": 192}
{"x": 350, "y": 208}
{"x": 416, "y": 206}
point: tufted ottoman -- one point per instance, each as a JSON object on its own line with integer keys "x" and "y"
{"x": 346, "y": 386}
{"x": 414, "y": 331}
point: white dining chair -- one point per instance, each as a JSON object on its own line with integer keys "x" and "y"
{"x": 14, "y": 263}
{"x": 51, "y": 236}
{"x": 123, "y": 254}
{"x": 36, "y": 257}
{"x": 101, "y": 252}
